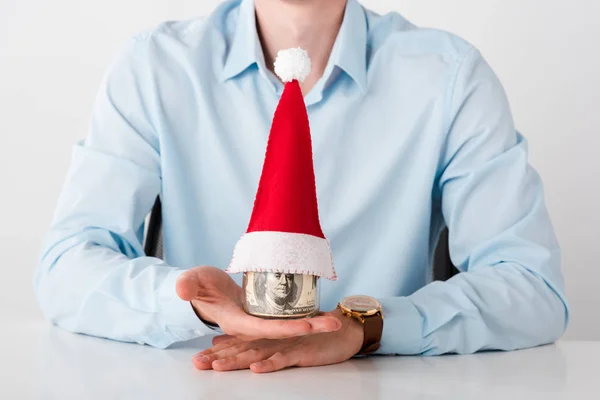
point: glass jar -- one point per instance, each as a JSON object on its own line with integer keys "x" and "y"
{"x": 280, "y": 295}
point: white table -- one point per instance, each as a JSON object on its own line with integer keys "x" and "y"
{"x": 44, "y": 362}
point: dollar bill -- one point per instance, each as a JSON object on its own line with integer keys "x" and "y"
{"x": 279, "y": 295}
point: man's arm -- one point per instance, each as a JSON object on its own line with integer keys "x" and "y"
{"x": 93, "y": 276}
{"x": 510, "y": 293}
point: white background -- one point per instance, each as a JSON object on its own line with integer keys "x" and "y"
{"x": 53, "y": 55}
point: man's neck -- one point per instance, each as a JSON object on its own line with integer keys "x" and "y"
{"x": 310, "y": 24}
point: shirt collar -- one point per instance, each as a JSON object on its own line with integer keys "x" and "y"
{"x": 245, "y": 48}
{"x": 349, "y": 51}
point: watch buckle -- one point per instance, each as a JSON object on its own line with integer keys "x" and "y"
{"x": 352, "y": 314}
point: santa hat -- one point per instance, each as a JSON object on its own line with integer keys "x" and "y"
{"x": 284, "y": 234}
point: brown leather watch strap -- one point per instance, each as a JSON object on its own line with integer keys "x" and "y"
{"x": 373, "y": 329}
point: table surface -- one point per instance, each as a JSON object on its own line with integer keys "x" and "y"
{"x": 44, "y": 362}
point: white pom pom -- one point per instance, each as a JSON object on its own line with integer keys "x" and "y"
{"x": 292, "y": 64}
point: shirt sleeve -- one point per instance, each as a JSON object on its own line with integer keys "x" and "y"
{"x": 93, "y": 276}
{"x": 510, "y": 292}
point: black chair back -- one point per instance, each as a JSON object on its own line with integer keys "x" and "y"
{"x": 443, "y": 269}
{"x": 153, "y": 244}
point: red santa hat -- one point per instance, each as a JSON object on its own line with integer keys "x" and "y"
{"x": 284, "y": 234}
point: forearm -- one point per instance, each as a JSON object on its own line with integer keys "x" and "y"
{"x": 504, "y": 307}
{"x": 510, "y": 293}
{"x": 93, "y": 276}
{"x": 87, "y": 288}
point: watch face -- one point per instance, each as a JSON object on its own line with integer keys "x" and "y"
{"x": 361, "y": 304}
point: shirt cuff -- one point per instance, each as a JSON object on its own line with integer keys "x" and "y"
{"x": 178, "y": 316}
{"x": 402, "y": 327}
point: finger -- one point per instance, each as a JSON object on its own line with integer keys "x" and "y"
{"x": 221, "y": 338}
{"x": 324, "y": 323}
{"x": 220, "y": 346}
{"x": 256, "y": 328}
{"x": 204, "y": 359}
{"x": 277, "y": 361}
{"x": 187, "y": 286}
{"x": 247, "y": 327}
{"x": 207, "y": 360}
{"x": 243, "y": 360}
{"x": 202, "y": 362}
{"x": 281, "y": 329}
{"x": 231, "y": 351}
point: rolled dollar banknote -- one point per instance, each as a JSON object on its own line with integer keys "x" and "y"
{"x": 280, "y": 295}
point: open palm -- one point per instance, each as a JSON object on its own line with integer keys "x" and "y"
{"x": 218, "y": 299}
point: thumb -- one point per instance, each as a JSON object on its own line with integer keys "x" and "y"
{"x": 187, "y": 286}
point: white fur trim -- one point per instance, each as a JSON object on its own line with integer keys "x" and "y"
{"x": 283, "y": 252}
{"x": 292, "y": 64}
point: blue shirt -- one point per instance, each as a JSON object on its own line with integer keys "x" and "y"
{"x": 411, "y": 132}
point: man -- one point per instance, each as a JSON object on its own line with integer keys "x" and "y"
{"x": 277, "y": 293}
{"x": 411, "y": 132}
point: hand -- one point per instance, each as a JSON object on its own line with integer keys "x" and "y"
{"x": 266, "y": 355}
{"x": 216, "y": 298}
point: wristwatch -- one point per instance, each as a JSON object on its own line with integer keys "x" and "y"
{"x": 368, "y": 311}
